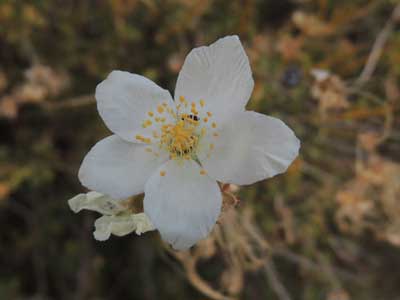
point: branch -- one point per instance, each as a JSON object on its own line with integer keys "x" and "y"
{"x": 378, "y": 46}
{"x": 274, "y": 280}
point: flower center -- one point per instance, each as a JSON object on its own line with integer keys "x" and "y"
{"x": 181, "y": 137}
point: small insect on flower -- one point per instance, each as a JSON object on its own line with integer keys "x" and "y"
{"x": 176, "y": 151}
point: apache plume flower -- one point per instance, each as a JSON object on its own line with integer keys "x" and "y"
{"x": 176, "y": 151}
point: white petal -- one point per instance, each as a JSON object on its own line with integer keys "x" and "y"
{"x": 124, "y": 100}
{"x": 121, "y": 225}
{"x": 118, "y": 168}
{"x": 102, "y": 228}
{"x": 220, "y": 75}
{"x": 96, "y": 202}
{"x": 183, "y": 204}
{"x": 250, "y": 148}
{"x": 142, "y": 223}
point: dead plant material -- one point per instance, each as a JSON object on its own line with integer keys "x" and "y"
{"x": 330, "y": 91}
{"x": 41, "y": 82}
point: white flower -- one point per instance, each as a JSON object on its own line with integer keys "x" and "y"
{"x": 176, "y": 151}
{"x": 117, "y": 219}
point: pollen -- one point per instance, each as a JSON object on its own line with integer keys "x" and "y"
{"x": 179, "y": 133}
{"x": 160, "y": 109}
{"x": 162, "y": 173}
{"x": 139, "y": 137}
{"x": 203, "y": 172}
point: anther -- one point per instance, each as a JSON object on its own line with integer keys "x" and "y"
{"x": 160, "y": 109}
{"x": 203, "y": 172}
{"x": 162, "y": 173}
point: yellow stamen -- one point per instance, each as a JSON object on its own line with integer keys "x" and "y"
{"x": 203, "y": 172}
{"x": 162, "y": 173}
{"x": 214, "y": 125}
{"x": 209, "y": 114}
{"x": 139, "y": 137}
{"x": 160, "y": 109}
{"x": 179, "y": 137}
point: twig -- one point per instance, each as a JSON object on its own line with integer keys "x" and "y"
{"x": 310, "y": 265}
{"x": 70, "y": 103}
{"x": 378, "y": 46}
{"x": 194, "y": 278}
{"x": 274, "y": 280}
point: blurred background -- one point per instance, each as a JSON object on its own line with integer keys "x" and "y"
{"x": 327, "y": 229}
